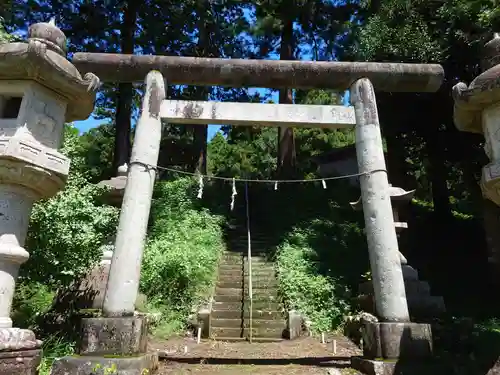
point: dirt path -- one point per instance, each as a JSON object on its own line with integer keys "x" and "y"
{"x": 306, "y": 356}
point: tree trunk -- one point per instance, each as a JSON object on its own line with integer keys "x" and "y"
{"x": 286, "y": 139}
{"x": 125, "y": 90}
{"x": 393, "y": 126}
{"x": 200, "y": 132}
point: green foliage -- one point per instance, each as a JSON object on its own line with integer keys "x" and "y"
{"x": 321, "y": 249}
{"x": 66, "y": 230}
{"x": 319, "y": 264}
{"x": 32, "y": 300}
{"x": 185, "y": 242}
{"x": 307, "y": 291}
{"x": 54, "y": 347}
{"x": 5, "y": 37}
{"x": 96, "y": 150}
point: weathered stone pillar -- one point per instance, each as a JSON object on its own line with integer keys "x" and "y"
{"x": 40, "y": 90}
{"x": 394, "y": 337}
{"x": 125, "y": 272}
{"x": 389, "y": 289}
{"x": 119, "y": 339}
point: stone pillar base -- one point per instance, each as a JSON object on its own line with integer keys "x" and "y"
{"x": 388, "y": 348}
{"x": 118, "y": 343}
{"x": 392, "y": 367}
{"x": 20, "y": 352}
{"x": 144, "y": 364}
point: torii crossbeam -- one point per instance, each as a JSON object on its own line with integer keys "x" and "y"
{"x": 391, "y": 77}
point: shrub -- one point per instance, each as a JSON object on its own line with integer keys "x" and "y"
{"x": 184, "y": 245}
{"x": 319, "y": 264}
{"x": 65, "y": 231}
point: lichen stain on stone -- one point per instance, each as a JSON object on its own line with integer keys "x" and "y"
{"x": 213, "y": 112}
{"x": 154, "y": 100}
{"x": 192, "y": 110}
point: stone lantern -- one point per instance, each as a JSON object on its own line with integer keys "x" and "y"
{"x": 420, "y": 302}
{"x": 40, "y": 90}
{"x": 477, "y": 110}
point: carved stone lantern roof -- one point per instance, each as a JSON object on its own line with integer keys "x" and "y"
{"x": 116, "y": 187}
{"x": 483, "y": 91}
{"x": 42, "y": 59}
{"x": 398, "y": 196}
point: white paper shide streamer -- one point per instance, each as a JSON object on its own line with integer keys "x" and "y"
{"x": 200, "y": 186}
{"x": 233, "y": 194}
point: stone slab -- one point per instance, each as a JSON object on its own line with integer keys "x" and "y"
{"x": 20, "y": 362}
{"x": 409, "y": 273}
{"x": 264, "y": 114}
{"x": 379, "y": 367}
{"x": 146, "y": 364}
{"x": 114, "y": 336}
{"x": 397, "y": 340}
{"x": 294, "y": 328}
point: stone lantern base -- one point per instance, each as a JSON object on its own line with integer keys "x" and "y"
{"x": 20, "y": 352}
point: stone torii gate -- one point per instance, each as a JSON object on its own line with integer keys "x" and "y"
{"x": 386, "y": 339}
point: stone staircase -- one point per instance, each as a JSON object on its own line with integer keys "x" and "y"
{"x": 230, "y": 316}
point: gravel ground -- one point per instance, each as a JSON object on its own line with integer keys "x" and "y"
{"x": 302, "y": 356}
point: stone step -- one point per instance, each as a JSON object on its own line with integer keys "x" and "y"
{"x": 223, "y": 268}
{"x": 230, "y": 284}
{"x": 258, "y": 249}
{"x": 243, "y": 284}
{"x": 226, "y": 323}
{"x": 234, "y": 276}
{"x": 256, "y": 323}
{"x": 243, "y": 239}
{"x": 264, "y": 306}
{"x": 227, "y": 306}
{"x": 237, "y": 260}
{"x": 272, "y": 292}
{"x": 231, "y": 262}
{"x": 239, "y": 306}
{"x": 217, "y": 332}
{"x": 232, "y": 255}
{"x": 239, "y": 314}
{"x": 260, "y": 266}
{"x": 230, "y": 275}
{"x": 257, "y": 299}
{"x": 258, "y": 272}
{"x": 254, "y": 339}
{"x": 229, "y": 298}
{"x": 229, "y": 292}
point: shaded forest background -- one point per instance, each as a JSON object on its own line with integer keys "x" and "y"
{"x": 446, "y": 240}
